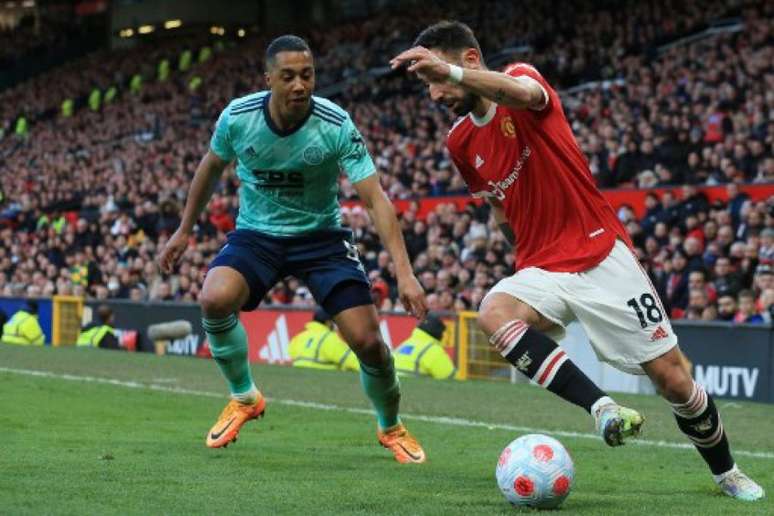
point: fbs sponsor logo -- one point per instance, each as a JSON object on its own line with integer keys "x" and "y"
{"x": 290, "y": 183}
{"x": 727, "y": 380}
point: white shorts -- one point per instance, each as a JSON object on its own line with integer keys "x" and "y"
{"x": 615, "y": 302}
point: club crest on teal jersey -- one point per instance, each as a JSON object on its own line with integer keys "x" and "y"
{"x": 313, "y": 155}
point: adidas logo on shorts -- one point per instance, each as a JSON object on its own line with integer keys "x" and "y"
{"x": 659, "y": 334}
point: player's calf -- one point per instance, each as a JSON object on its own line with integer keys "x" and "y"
{"x": 544, "y": 362}
{"x": 699, "y": 420}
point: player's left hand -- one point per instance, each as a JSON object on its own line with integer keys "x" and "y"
{"x": 428, "y": 66}
{"x": 412, "y": 296}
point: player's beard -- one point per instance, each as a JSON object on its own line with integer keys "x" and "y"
{"x": 298, "y": 110}
{"x": 465, "y": 105}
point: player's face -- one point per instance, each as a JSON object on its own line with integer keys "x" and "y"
{"x": 451, "y": 95}
{"x": 291, "y": 79}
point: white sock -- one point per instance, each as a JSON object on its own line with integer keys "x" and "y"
{"x": 246, "y": 398}
{"x": 601, "y": 402}
{"x": 719, "y": 478}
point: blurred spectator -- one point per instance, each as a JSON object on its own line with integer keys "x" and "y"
{"x": 23, "y": 328}
{"x": 747, "y": 311}
{"x": 100, "y": 332}
{"x": 726, "y": 307}
{"x": 318, "y": 346}
{"x": 422, "y": 353}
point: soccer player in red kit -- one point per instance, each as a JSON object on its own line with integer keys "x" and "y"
{"x": 513, "y": 146}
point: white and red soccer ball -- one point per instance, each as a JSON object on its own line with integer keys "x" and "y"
{"x": 535, "y": 471}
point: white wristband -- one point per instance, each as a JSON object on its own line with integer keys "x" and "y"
{"x": 455, "y": 74}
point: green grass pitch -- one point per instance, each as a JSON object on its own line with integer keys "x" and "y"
{"x": 98, "y": 432}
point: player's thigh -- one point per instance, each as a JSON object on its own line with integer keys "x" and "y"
{"x": 621, "y": 311}
{"x": 329, "y": 264}
{"x": 531, "y": 295}
{"x": 244, "y": 270}
{"x": 224, "y": 292}
{"x": 359, "y": 326}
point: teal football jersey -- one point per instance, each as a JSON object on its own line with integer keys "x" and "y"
{"x": 289, "y": 181}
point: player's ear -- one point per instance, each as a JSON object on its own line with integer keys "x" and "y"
{"x": 471, "y": 58}
{"x": 267, "y": 78}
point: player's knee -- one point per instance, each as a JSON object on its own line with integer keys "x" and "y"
{"x": 217, "y": 304}
{"x": 367, "y": 344}
{"x": 670, "y": 375}
{"x": 673, "y": 383}
{"x": 496, "y": 311}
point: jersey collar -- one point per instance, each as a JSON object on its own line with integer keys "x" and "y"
{"x": 276, "y": 130}
{"x": 481, "y": 122}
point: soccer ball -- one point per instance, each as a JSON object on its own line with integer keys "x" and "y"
{"x": 535, "y": 471}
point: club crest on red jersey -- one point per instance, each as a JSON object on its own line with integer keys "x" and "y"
{"x": 507, "y": 127}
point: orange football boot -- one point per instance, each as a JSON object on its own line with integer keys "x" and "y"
{"x": 402, "y": 444}
{"x": 226, "y": 429}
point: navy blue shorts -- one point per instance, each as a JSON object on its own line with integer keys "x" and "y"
{"x": 322, "y": 260}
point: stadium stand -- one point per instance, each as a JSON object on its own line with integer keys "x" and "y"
{"x": 89, "y": 197}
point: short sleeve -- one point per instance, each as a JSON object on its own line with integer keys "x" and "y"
{"x": 220, "y": 143}
{"x": 527, "y": 72}
{"x": 353, "y": 158}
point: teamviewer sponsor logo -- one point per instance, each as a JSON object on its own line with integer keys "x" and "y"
{"x": 498, "y": 188}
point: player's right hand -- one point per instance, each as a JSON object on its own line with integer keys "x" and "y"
{"x": 412, "y": 296}
{"x": 428, "y": 66}
{"x": 173, "y": 250}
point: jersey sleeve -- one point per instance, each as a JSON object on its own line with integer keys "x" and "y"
{"x": 221, "y": 143}
{"x": 528, "y": 73}
{"x": 354, "y": 159}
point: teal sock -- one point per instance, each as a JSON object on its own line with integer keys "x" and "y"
{"x": 382, "y": 387}
{"x": 228, "y": 345}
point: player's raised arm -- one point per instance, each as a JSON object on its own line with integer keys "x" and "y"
{"x": 205, "y": 178}
{"x": 383, "y": 214}
{"x": 515, "y": 92}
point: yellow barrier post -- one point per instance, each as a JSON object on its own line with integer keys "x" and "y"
{"x": 463, "y": 343}
{"x": 66, "y": 320}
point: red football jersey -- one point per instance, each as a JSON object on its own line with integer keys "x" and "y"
{"x": 530, "y": 162}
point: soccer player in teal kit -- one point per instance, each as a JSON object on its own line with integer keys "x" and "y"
{"x": 290, "y": 148}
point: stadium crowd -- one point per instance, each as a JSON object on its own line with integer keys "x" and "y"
{"x": 90, "y": 198}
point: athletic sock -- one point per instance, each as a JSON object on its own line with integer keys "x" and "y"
{"x": 382, "y": 387}
{"x": 545, "y": 363}
{"x": 699, "y": 420}
{"x": 228, "y": 345}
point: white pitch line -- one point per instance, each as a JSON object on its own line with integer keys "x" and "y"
{"x": 443, "y": 420}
